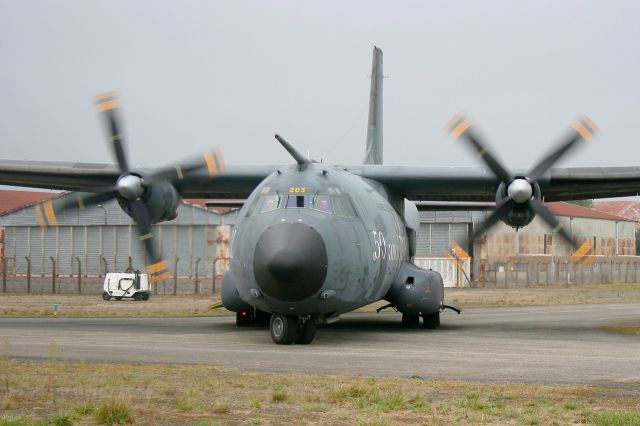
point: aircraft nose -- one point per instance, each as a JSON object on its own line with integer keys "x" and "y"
{"x": 290, "y": 261}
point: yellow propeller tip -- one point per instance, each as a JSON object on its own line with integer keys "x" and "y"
{"x": 106, "y": 101}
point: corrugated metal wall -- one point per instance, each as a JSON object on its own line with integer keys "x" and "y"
{"x": 104, "y": 236}
{"x": 434, "y": 239}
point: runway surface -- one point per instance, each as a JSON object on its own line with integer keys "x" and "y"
{"x": 559, "y": 344}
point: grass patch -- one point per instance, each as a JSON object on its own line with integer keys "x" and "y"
{"x": 279, "y": 395}
{"x": 113, "y": 411}
{"x": 92, "y": 306}
{"x": 197, "y": 394}
{"x": 631, "y": 329}
{"x": 615, "y": 418}
{"x": 539, "y": 295}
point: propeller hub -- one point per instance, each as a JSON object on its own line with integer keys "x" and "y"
{"x": 520, "y": 190}
{"x": 130, "y": 187}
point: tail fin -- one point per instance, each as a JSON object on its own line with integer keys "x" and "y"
{"x": 374, "y": 129}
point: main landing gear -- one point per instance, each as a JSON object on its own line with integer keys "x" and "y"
{"x": 287, "y": 329}
{"x": 430, "y": 321}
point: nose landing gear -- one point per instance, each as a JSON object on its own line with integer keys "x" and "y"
{"x": 287, "y": 329}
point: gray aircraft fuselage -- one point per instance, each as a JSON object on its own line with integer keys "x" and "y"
{"x": 316, "y": 240}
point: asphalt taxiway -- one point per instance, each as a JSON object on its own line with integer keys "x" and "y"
{"x": 557, "y": 344}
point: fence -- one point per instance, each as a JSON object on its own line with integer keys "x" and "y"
{"x": 527, "y": 271}
{"x": 523, "y": 271}
{"x": 22, "y": 280}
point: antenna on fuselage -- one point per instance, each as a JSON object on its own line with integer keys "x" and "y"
{"x": 302, "y": 162}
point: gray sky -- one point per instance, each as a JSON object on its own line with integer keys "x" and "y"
{"x": 196, "y": 74}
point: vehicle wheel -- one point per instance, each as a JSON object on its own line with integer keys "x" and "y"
{"x": 283, "y": 328}
{"x": 306, "y": 332}
{"x": 262, "y": 318}
{"x": 410, "y": 321}
{"x": 431, "y": 321}
{"x": 106, "y": 296}
{"x": 243, "y": 319}
{"x": 145, "y": 296}
{"x": 137, "y": 297}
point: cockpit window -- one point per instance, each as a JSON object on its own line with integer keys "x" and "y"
{"x": 342, "y": 207}
{"x": 297, "y": 201}
{"x": 321, "y": 203}
{"x": 271, "y": 202}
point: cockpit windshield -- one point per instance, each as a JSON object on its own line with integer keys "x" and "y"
{"x": 336, "y": 205}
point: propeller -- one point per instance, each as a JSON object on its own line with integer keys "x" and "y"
{"x": 521, "y": 191}
{"x": 131, "y": 187}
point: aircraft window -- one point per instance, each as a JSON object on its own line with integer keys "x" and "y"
{"x": 321, "y": 203}
{"x": 342, "y": 207}
{"x": 297, "y": 202}
{"x": 271, "y": 202}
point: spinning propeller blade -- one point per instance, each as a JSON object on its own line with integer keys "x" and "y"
{"x": 521, "y": 192}
{"x": 130, "y": 187}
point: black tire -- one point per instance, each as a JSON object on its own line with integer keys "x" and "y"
{"x": 243, "y": 319}
{"x": 106, "y": 296}
{"x": 146, "y": 296}
{"x": 137, "y": 297}
{"x": 410, "y": 321}
{"x": 283, "y": 328}
{"x": 306, "y": 332}
{"x": 262, "y": 318}
{"x": 431, "y": 321}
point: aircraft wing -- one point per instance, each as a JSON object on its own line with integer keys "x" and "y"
{"x": 417, "y": 183}
{"x": 479, "y": 184}
{"x": 235, "y": 182}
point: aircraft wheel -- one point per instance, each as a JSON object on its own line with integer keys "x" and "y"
{"x": 243, "y": 319}
{"x": 106, "y": 296}
{"x": 306, "y": 332}
{"x": 431, "y": 321}
{"x": 283, "y": 328}
{"x": 410, "y": 321}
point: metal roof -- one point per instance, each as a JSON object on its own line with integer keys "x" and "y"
{"x": 560, "y": 208}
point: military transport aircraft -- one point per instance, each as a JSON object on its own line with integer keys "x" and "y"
{"x": 312, "y": 240}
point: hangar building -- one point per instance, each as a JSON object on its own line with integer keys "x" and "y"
{"x": 103, "y": 238}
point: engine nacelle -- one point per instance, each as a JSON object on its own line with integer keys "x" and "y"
{"x": 230, "y": 297}
{"x": 416, "y": 291}
{"x": 161, "y": 199}
{"x": 521, "y": 214}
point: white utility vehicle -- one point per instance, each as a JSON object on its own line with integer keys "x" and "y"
{"x": 133, "y": 285}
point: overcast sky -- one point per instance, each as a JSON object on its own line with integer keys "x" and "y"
{"x": 196, "y": 74}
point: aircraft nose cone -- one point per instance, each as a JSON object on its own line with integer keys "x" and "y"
{"x": 290, "y": 261}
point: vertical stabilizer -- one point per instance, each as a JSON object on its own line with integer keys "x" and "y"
{"x": 374, "y": 128}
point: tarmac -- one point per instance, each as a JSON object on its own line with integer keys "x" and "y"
{"x": 550, "y": 344}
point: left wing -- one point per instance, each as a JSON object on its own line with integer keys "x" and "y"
{"x": 419, "y": 183}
